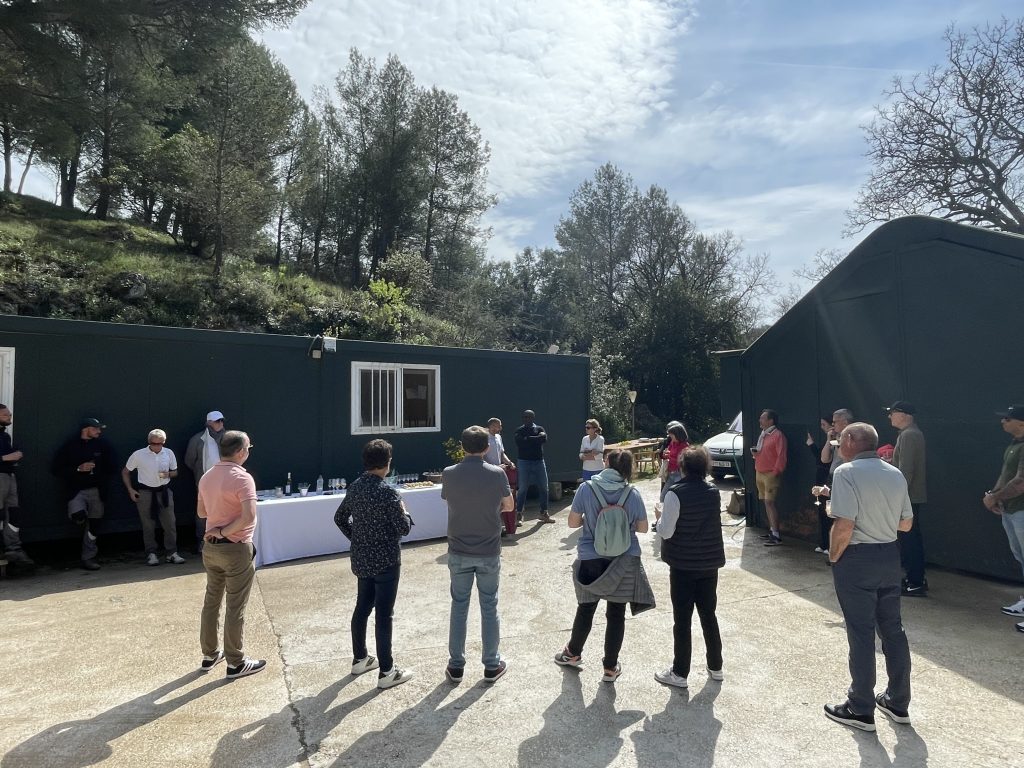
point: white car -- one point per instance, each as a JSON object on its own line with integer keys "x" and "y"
{"x": 726, "y": 449}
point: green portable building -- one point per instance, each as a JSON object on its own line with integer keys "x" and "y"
{"x": 922, "y": 310}
{"x": 309, "y": 405}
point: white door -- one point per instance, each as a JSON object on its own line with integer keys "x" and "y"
{"x": 7, "y": 379}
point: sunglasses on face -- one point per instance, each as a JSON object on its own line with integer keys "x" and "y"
{"x": 156, "y": 443}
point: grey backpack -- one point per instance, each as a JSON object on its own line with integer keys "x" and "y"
{"x": 612, "y": 534}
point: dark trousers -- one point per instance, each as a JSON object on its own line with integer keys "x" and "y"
{"x": 690, "y": 589}
{"x": 912, "y": 548}
{"x": 824, "y": 523}
{"x": 377, "y": 594}
{"x": 867, "y": 581}
{"x": 615, "y": 614}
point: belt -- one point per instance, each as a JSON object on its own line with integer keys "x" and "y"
{"x": 222, "y": 541}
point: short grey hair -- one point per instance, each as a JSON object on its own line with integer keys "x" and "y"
{"x": 157, "y": 434}
{"x": 863, "y": 436}
{"x": 843, "y": 413}
{"x": 232, "y": 442}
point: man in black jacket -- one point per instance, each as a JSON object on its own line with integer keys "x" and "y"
{"x": 85, "y": 464}
{"x": 530, "y": 439}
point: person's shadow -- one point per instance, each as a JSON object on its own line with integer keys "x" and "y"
{"x": 574, "y": 732}
{"x": 910, "y": 750}
{"x": 685, "y": 733}
{"x": 415, "y": 735}
{"x": 80, "y": 743}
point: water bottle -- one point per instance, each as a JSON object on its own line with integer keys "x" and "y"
{"x": 288, "y": 485}
{"x": 320, "y": 484}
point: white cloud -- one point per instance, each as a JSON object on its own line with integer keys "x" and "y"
{"x": 544, "y": 79}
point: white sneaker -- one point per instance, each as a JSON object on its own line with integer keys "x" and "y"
{"x": 668, "y": 677}
{"x": 364, "y": 665}
{"x": 394, "y": 677}
{"x": 819, "y": 550}
{"x": 175, "y": 558}
{"x": 152, "y": 559}
{"x": 716, "y": 674}
{"x": 1017, "y": 609}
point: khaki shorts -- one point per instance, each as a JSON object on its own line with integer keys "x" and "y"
{"x": 768, "y": 485}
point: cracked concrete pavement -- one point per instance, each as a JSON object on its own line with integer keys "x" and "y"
{"x": 100, "y": 669}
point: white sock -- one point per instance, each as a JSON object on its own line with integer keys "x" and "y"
{"x": 91, "y": 537}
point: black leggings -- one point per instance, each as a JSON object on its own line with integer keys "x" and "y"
{"x": 689, "y": 589}
{"x": 377, "y": 594}
{"x": 584, "y": 621}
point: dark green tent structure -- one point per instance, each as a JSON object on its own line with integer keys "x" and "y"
{"x": 309, "y": 405}
{"x": 922, "y": 310}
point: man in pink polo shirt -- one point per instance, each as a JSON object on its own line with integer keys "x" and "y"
{"x": 227, "y": 501}
{"x": 769, "y": 464}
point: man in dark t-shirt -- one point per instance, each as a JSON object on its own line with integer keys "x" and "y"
{"x": 530, "y": 439}
{"x": 477, "y": 493}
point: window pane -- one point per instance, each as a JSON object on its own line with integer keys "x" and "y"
{"x": 366, "y": 390}
{"x": 419, "y": 398}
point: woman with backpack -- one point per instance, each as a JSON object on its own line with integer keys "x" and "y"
{"x": 690, "y": 526}
{"x": 611, "y": 513}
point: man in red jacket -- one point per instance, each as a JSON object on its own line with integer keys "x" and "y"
{"x": 769, "y": 464}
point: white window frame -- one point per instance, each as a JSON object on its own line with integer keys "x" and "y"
{"x": 399, "y": 368}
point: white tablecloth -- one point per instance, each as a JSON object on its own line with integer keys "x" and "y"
{"x": 297, "y": 527}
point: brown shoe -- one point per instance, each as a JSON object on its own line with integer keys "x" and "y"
{"x": 546, "y": 518}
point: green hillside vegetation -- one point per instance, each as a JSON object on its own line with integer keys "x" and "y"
{"x": 56, "y": 262}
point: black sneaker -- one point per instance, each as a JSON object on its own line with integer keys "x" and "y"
{"x": 914, "y": 590}
{"x": 492, "y": 675}
{"x": 773, "y": 540}
{"x": 453, "y": 674}
{"x": 209, "y": 662}
{"x": 90, "y": 565}
{"x": 884, "y": 703}
{"x": 247, "y": 667}
{"x": 841, "y": 714}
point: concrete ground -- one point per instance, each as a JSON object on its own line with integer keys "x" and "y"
{"x": 100, "y": 669}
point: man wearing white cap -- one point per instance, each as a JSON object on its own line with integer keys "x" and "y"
{"x": 202, "y": 453}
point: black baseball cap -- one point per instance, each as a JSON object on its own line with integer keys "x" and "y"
{"x": 93, "y": 423}
{"x": 1013, "y": 412}
{"x": 902, "y": 406}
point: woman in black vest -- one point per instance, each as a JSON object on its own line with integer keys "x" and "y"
{"x": 691, "y": 529}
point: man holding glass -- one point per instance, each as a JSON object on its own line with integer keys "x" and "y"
{"x": 870, "y": 505}
{"x": 154, "y": 465}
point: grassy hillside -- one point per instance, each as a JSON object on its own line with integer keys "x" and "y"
{"x": 57, "y": 263}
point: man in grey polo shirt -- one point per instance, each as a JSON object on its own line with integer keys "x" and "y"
{"x": 477, "y": 493}
{"x": 870, "y": 504}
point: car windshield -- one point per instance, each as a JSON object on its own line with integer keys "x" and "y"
{"x": 737, "y": 423}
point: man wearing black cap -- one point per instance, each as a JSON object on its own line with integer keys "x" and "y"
{"x": 1006, "y": 498}
{"x": 909, "y": 458}
{"x": 85, "y": 463}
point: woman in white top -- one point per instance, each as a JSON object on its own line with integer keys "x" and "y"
{"x": 592, "y": 449}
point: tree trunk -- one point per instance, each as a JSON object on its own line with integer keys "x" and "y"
{"x": 8, "y": 140}
{"x": 69, "y": 179}
{"x": 28, "y": 164}
{"x": 103, "y": 201}
{"x": 163, "y": 218}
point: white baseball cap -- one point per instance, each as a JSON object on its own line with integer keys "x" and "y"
{"x": 215, "y": 416}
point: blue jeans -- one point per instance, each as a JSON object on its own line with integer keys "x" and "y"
{"x": 589, "y": 473}
{"x": 463, "y": 569}
{"x": 1013, "y": 524}
{"x": 532, "y": 472}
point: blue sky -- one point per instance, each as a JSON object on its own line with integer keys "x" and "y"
{"x": 748, "y": 112}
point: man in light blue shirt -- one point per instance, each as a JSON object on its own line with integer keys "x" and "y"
{"x": 495, "y": 447}
{"x": 870, "y": 504}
